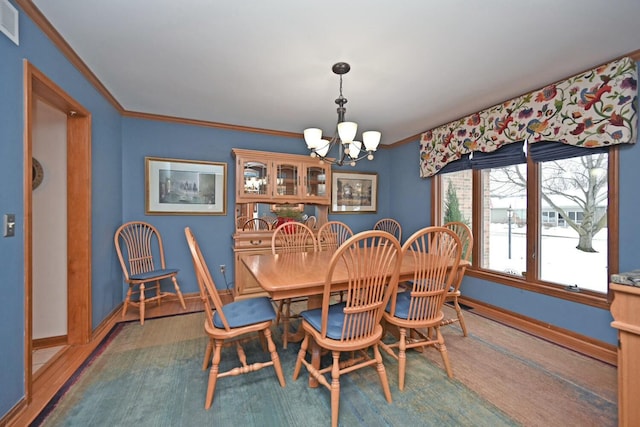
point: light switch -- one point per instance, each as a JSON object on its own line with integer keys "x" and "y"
{"x": 9, "y": 225}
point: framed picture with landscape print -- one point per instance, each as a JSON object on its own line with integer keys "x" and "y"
{"x": 354, "y": 192}
{"x": 185, "y": 187}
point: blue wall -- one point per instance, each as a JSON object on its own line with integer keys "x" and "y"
{"x": 11, "y": 249}
{"x": 119, "y": 146}
{"x": 409, "y": 195}
{"x": 143, "y": 138}
{"x": 106, "y": 188}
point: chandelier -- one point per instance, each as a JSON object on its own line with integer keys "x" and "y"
{"x": 349, "y": 150}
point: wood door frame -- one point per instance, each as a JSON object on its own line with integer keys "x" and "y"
{"x": 38, "y": 86}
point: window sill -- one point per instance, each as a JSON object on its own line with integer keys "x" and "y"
{"x": 590, "y": 298}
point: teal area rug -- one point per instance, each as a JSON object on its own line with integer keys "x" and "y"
{"x": 151, "y": 376}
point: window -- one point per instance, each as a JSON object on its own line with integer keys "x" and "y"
{"x": 503, "y": 240}
{"x": 576, "y": 216}
{"x": 557, "y": 208}
{"x": 457, "y": 201}
{"x": 577, "y": 189}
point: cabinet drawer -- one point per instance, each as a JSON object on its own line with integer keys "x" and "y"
{"x": 252, "y": 240}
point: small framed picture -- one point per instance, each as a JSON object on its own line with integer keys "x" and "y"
{"x": 185, "y": 187}
{"x": 354, "y": 192}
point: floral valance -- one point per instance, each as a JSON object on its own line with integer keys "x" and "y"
{"x": 593, "y": 109}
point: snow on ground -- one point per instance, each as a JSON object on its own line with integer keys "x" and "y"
{"x": 561, "y": 262}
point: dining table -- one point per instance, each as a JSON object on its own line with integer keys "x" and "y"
{"x": 303, "y": 274}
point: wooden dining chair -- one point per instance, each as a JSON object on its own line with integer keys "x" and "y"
{"x": 436, "y": 255}
{"x": 372, "y": 261}
{"x": 311, "y": 222}
{"x": 272, "y": 220}
{"x": 256, "y": 224}
{"x": 466, "y": 240}
{"x": 332, "y": 234}
{"x": 236, "y": 321}
{"x": 287, "y": 238}
{"x": 240, "y": 221}
{"x": 136, "y": 243}
{"x": 389, "y": 225}
{"x": 293, "y": 236}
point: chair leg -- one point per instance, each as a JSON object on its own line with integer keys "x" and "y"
{"x": 443, "y": 352}
{"x": 142, "y": 303}
{"x": 263, "y": 341}
{"x": 274, "y": 357}
{"x": 279, "y": 311}
{"x": 178, "y": 292}
{"x": 460, "y": 317}
{"x": 127, "y": 300}
{"x": 285, "y": 324}
{"x": 213, "y": 374}
{"x": 158, "y": 293}
{"x": 207, "y": 355}
{"x": 301, "y": 355}
{"x": 335, "y": 389}
{"x": 413, "y": 334}
{"x": 382, "y": 373}
{"x": 402, "y": 357}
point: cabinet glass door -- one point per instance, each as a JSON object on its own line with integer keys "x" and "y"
{"x": 255, "y": 179}
{"x": 316, "y": 181}
{"x": 287, "y": 179}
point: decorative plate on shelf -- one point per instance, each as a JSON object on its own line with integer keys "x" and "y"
{"x": 37, "y": 173}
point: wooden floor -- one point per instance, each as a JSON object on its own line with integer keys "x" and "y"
{"x": 52, "y": 376}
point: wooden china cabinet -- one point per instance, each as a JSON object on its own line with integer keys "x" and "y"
{"x": 274, "y": 178}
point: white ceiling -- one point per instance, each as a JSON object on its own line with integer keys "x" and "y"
{"x": 415, "y": 64}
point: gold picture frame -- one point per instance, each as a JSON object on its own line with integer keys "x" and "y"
{"x": 185, "y": 187}
{"x": 354, "y": 192}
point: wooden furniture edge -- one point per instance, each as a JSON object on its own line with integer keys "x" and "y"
{"x": 596, "y": 349}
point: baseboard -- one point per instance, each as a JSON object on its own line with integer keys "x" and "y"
{"x": 13, "y": 412}
{"x": 226, "y": 296}
{"x": 47, "y": 342}
{"x": 582, "y": 344}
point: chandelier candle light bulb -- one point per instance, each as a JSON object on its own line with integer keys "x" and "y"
{"x": 344, "y": 137}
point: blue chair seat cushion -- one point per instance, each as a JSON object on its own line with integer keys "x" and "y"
{"x": 334, "y": 323}
{"x": 403, "y": 299}
{"x": 149, "y": 275}
{"x": 245, "y": 312}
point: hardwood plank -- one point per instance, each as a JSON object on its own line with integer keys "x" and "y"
{"x": 55, "y": 374}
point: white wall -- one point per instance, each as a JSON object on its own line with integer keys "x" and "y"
{"x": 49, "y": 224}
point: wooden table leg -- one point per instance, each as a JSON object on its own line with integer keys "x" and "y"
{"x": 314, "y": 301}
{"x": 296, "y": 336}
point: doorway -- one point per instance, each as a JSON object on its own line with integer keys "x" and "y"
{"x": 78, "y": 210}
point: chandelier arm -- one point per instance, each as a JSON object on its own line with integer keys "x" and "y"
{"x": 340, "y": 160}
{"x": 340, "y": 69}
{"x": 363, "y": 156}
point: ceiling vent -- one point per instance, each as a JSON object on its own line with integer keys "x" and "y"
{"x": 9, "y": 21}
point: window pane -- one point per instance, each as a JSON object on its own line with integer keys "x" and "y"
{"x": 574, "y": 252}
{"x": 504, "y": 234}
{"x": 456, "y": 197}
